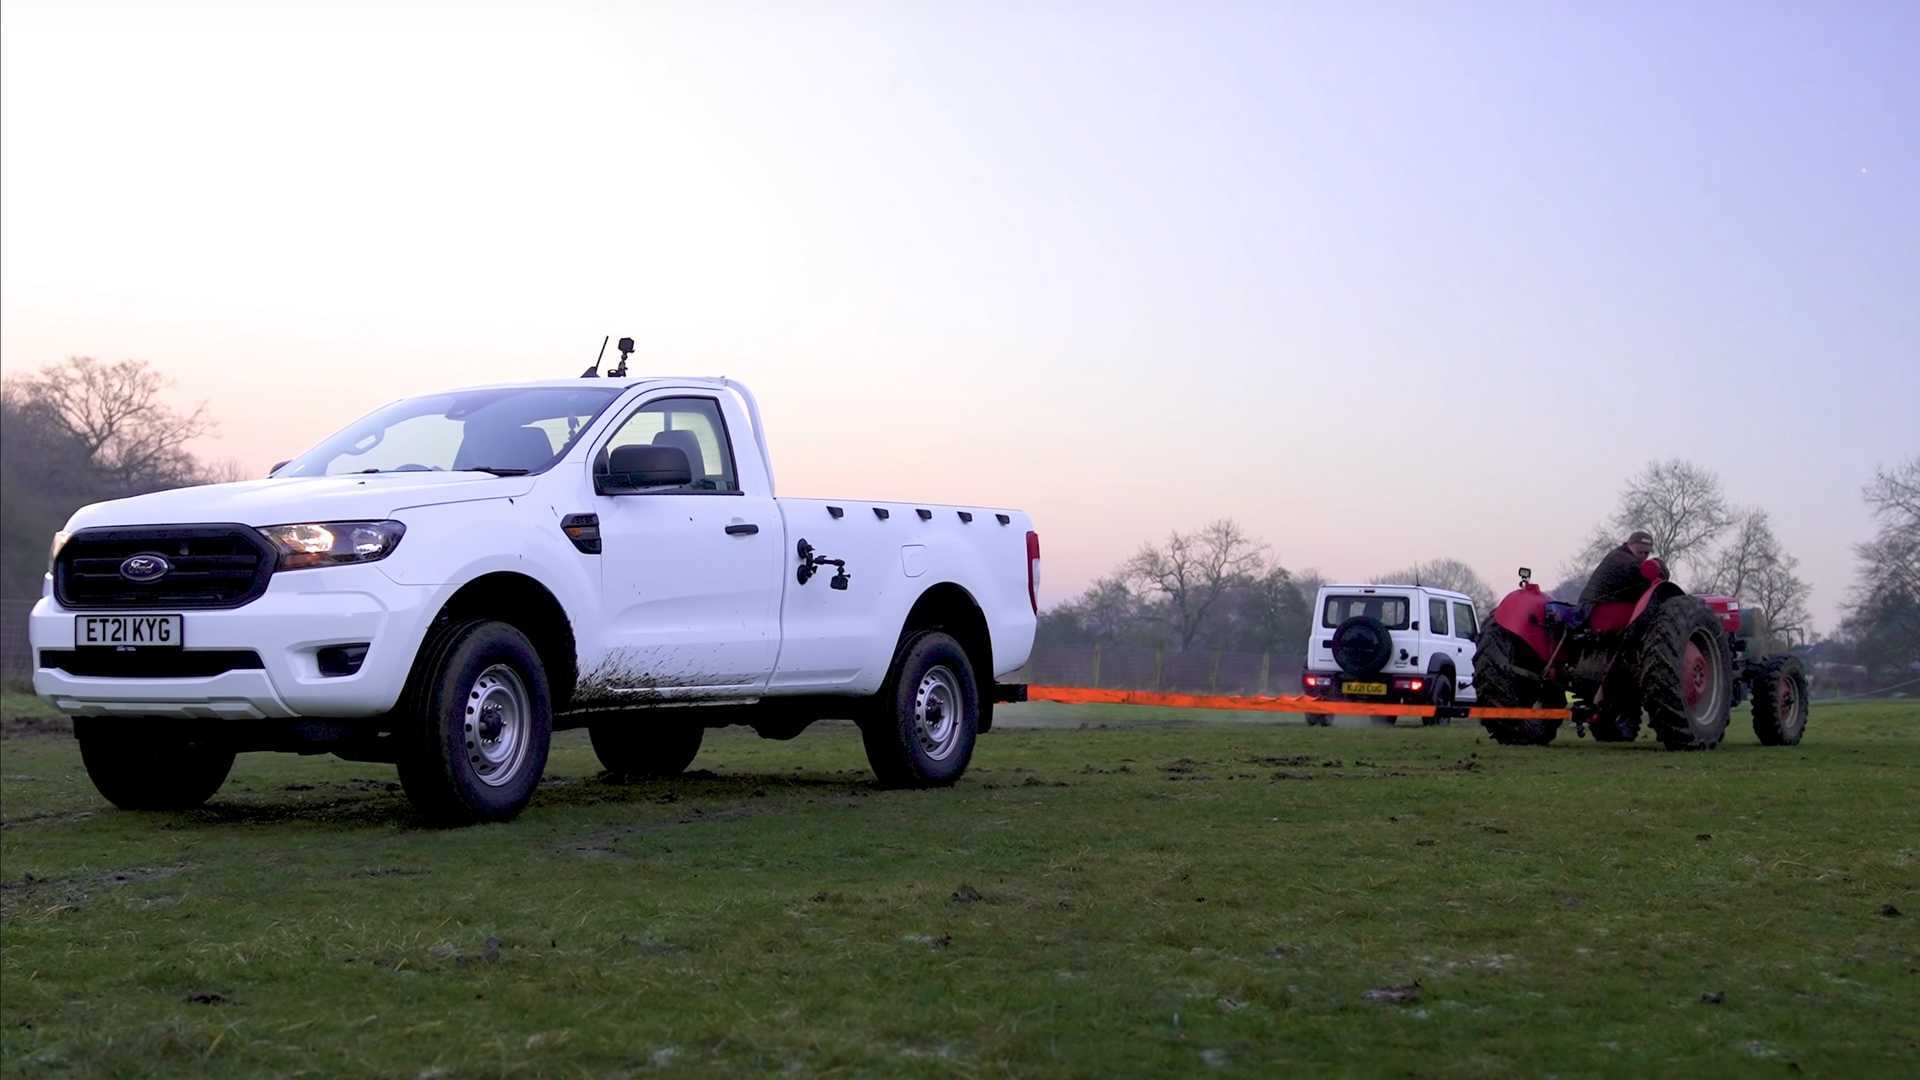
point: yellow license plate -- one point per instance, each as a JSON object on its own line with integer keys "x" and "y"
{"x": 1366, "y": 688}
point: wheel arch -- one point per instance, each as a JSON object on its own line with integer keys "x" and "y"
{"x": 526, "y": 604}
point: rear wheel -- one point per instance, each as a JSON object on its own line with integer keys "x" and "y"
{"x": 1502, "y": 683}
{"x": 480, "y": 722}
{"x": 152, "y": 764}
{"x": 646, "y": 746}
{"x": 922, "y": 733}
{"x": 1780, "y": 701}
{"x": 1319, "y": 719}
{"x": 1442, "y": 697}
{"x": 1685, "y": 675}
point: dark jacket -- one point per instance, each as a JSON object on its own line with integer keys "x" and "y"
{"x": 1618, "y": 577}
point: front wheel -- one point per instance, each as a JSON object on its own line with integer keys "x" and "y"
{"x": 922, "y": 731}
{"x": 1780, "y": 701}
{"x": 479, "y": 720}
{"x": 152, "y": 764}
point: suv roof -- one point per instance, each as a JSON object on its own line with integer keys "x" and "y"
{"x": 1434, "y": 589}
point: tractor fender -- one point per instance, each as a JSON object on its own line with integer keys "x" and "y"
{"x": 1523, "y": 614}
{"x": 1654, "y": 596}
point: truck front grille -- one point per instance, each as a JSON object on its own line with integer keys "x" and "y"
{"x": 208, "y": 566}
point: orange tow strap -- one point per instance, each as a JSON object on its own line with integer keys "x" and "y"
{"x": 1293, "y": 703}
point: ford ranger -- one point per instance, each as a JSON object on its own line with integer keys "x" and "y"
{"x": 444, "y": 583}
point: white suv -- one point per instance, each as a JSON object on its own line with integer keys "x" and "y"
{"x": 1390, "y": 644}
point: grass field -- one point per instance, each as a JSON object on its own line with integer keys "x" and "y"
{"x": 1114, "y": 891}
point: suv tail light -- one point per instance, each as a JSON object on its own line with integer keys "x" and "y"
{"x": 1033, "y": 571}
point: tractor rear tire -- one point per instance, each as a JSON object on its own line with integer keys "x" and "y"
{"x": 1780, "y": 701}
{"x": 1504, "y": 684}
{"x": 1685, "y": 674}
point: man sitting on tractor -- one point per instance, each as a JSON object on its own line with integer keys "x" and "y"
{"x": 1619, "y": 577}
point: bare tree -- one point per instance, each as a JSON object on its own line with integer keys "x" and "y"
{"x": 1445, "y": 574}
{"x": 115, "y": 411}
{"x": 1750, "y": 549}
{"x": 1191, "y": 571}
{"x": 1782, "y": 598}
{"x": 1681, "y": 504}
{"x": 1886, "y": 592}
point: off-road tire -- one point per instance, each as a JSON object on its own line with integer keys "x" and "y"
{"x": 1319, "y": 719}
{"x": 468, "y": 676}
{"x": 1780, "y": 705}
{"x": 152, "y": 764}
{"x": 907, "y": 734}
{"x": 1687, "y": 700}
{"x": 646, "y": 746}
{"x": 1362, "y": 645}
{"x": 1442, "y": 695}
{"x": 1503, "y": 683}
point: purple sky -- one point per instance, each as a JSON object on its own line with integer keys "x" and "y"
{"x": 1385, "y": 282}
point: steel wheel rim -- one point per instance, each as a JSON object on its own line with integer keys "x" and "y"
{"x": 496, "y": 724}
{"x": 1701, "y": 687}
{"x": 938, "y": 710}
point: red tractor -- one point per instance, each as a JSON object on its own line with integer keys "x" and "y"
{"x": 1678, "y": 660}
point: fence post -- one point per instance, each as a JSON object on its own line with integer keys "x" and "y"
{"x": 1096, "y": 663}
{"x": 1266, "y": 673}
{"x": 1158, "y": 652}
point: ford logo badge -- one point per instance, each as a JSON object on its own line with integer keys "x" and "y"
{"x": 143, "y": 568}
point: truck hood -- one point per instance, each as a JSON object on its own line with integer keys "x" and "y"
{"x": 300, "y": 498}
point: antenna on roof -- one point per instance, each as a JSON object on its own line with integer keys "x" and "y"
{"x": 594, "y": 371}
{"x": 626, "y": 350}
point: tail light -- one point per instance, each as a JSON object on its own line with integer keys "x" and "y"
{"x": 1033, "y": 571}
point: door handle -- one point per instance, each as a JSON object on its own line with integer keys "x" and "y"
{"x": 742, "y": 530}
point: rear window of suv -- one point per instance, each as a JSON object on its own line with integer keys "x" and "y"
{"x": 1390, "y": 610}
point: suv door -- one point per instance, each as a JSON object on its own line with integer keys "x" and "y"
{"x": 1466, "y": 628}
{"x": 1434, "y": 640}
{"x": 690, "y": 576}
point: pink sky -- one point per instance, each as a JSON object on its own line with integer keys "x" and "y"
{"x": 1383, "y": 289}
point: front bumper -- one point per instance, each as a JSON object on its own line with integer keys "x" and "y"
{"x": 301, "y": 613}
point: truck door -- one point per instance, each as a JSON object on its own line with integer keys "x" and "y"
{"x": 690, "y": 576}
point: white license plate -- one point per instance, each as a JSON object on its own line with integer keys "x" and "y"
{"x": 127, "y": 631}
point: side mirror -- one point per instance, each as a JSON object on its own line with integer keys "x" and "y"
{"x": 277, "y": 466}
{"x": 632, "y": 469}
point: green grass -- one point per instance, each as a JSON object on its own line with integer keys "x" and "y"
{"x": 1158, "y": 895}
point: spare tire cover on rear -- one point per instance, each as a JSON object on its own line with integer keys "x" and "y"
{"x": 1362, "y": 645}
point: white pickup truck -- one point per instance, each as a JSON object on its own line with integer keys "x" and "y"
{"x": 444, "y": 583}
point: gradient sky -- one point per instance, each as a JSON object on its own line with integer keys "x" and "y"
{"x": 1383, "y": 281}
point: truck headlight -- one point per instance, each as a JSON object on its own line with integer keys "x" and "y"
{"x": 332, "y": 543}
{"x": 53, "y": 551}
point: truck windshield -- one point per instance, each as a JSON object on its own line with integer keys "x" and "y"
{"x": 510, "y": 432}
{"x": 1390, "y": 610}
